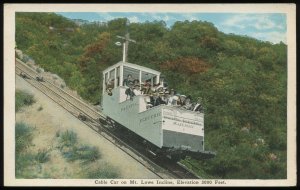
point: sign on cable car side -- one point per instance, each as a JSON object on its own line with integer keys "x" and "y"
{"x": 183, "y": 121}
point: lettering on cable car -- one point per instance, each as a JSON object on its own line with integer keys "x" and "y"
{"x": 150, "y": 117}
{"x": 182, "y": 120}
{"x": 127, "y": 107}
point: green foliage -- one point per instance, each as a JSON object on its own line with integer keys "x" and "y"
{"x": 105, "y": 171}
{"x": 84, "y": 153}
{"x": 42, "y": 156}
{"x": 243, "y": 81}
{"x": 27, "y": 162}
{"x": 23, "y": 98}
{"x": 72, "y": 151}
{"x": 23, "y": 161}
{"x": 23, "y": 136}
{"x": 40, "y": 108}
{"x": 68, "y": 138}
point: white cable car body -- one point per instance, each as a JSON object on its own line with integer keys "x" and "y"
{"x": 166, "y": 127}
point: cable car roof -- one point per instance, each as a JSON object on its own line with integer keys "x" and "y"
{"x": 133, "y": 66}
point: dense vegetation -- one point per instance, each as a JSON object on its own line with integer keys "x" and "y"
{"x": 23, "y": 98}
{"x": 243, "y": 81}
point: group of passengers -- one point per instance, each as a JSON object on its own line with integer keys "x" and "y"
{"x": 159, "y": 94}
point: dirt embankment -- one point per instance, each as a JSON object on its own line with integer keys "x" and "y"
{"x": 49, "y": 118}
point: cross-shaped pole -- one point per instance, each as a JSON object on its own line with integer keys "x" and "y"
{"x": 125, "y": 45}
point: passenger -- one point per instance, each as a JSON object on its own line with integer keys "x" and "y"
{"x": 181, "y": 100}
{"x": 155, "y": 88}
{"x": 160, "y": 87}
{"x": 198, "y": 106}
{"x": 110, "y": 83}
{"x": 137, "y": 90}
{"x": 129, "y": 92}
{"x": 109, "y": 86}
{"x": 142, "y": 87}
{"x": 146, "y": 87}
{"x": 166, "y": 96}
{"x": 172, "y": 101}
{"x": 162, "y": 97}
{"x": 136, "y": 82}
{"x": 148, "y": 101}
{"x": 128, "y": 81}
{"x": 156, "y": 100}
{"x": 187, "y": 104}
{"x": 160, "y": 90}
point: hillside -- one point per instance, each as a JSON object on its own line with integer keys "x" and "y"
{"x": 52, "y": 144}
{"x": 242, "y": 80}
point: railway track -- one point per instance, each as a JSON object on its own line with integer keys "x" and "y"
{"x": 164, "y": 169}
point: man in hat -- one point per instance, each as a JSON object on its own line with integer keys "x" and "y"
{"x": 156, "y": 100}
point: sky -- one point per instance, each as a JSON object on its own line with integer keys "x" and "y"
{"x": 270, "y": 27}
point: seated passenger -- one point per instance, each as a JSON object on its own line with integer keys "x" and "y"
{"x": 146, "y": 87}
{"x": 181, "y": 100}
{"x": 172, "y": 101}
{"x": 166, "y": 96}
{"x": 160, "y": 89}
{"x": 136, "y": 82}
{"x": 148, "y": 101}
{"x": 128, "y": 81}
{"x": 136, "y": 90}
{"x": 198, "y": 106}
{"x": 187, "y": 103}
{"x": 109, "y": 86}
{"x": 129, "y": 92}
{"x": 162, "y": 97}
{"x": 155, "y": 87}
{"x": 155, "y": 100}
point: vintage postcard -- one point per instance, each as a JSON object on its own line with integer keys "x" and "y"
{"x": 149, "y": 95}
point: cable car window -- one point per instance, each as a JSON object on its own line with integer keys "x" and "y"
{"x": 105, "y": 79}
{"x": 154, "y": 79}
{"x": 118, "y": 76}
{"x": 112, "y": 74}
{"x": 111, "y": 80}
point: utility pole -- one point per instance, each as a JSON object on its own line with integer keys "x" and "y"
{"x": 125, "y": 45}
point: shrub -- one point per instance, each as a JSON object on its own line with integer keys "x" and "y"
{"x": 103, "y": 172}
{"x": 84, "y": 153}
{"x": 40, "y": 108}
{"x": 24, "y": 160}
{"x": 57, "y": 134}
{"x": 68, "y": 138}
{"x": 42, "y": 156}
{"x": 25, "y": 58}
{"x": 23, "y": 98}
{"x": 88, "y": 153}
{"x": 23, "y": 136}
{"x": 39, "y": 70}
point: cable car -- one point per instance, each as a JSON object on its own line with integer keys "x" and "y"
{"x": 166, "y": 129}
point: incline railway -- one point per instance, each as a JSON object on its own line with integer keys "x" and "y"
{"x": 163, "y": 167}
